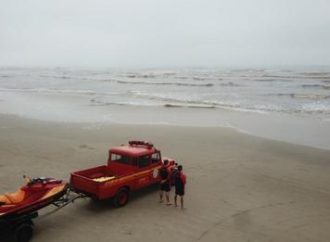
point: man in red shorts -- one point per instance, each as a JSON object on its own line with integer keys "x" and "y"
{"x": 165, "y": 183}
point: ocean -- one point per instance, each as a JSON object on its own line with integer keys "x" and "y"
{"x": 291, "y": 104}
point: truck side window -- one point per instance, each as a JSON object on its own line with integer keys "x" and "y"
{"x": 144, "y": 161}
{"x": 134, "y": 162}
{"x": 155, "y": 157}
{"x": 120, "y": 159}
{"x": 115, "y": 157}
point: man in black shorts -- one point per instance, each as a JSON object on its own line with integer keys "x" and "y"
{"x": 180, "y": 182}
{"x": 165, "y": 183}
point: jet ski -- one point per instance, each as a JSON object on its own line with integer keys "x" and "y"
{"x": 36, "y": 194}
{"x": 17, "y": 209}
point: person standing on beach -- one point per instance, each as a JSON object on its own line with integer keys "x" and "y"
{"x": 180, "y": 182}
{"x": 165, "y": 183}
{"x": 173, "y": 172}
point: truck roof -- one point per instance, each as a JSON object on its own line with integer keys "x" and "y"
{"x": 134, "y": 149}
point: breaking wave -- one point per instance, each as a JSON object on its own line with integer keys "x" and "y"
{"x": 316, "y": 73}
{"x": 303, "y": 96}
{"x": 49, "y": 91}
{"x": 316, "y": 86}
{"x": 173, "y": 103}
{"x": 297, "y": 77}
{"x": 167, "y": 83}
{"x": 140, "y": 75}
{"x": 56, "y": 76}
{"x": 229, "y": 84}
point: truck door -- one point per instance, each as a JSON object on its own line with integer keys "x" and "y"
{"x": 142, "y": 177}
{"x": 156, "y": 161}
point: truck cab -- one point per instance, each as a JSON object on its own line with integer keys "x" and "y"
{"x": 140, "y": 159}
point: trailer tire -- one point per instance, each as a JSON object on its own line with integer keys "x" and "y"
{"x": 121, "y": 198}
{"x": 24, "y": 232}
{"x": 4, "y": 229}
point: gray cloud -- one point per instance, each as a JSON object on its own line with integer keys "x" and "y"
{"x": 155, "y": 33}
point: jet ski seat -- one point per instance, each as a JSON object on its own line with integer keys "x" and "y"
{"x": 12, "y": 198}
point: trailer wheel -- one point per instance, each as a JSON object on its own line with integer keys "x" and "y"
{"x": 121, "y": 198}
{"x": 4, "y": 229}
{"x": 24, "y": 232}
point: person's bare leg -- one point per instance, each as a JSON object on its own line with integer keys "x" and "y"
{"x": 175, "y": 200}
{"x": 161, "y": 196}
{"x": 167, "y": 194}
{"x": 181, "y": 201}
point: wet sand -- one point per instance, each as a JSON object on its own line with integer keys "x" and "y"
{"x": 240, "y": 187}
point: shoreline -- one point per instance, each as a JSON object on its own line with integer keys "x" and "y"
{"x": 317, "y": 137}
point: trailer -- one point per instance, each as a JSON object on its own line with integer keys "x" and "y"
{"x": 18, "y": 209}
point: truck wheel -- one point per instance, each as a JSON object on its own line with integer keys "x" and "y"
{"x": 121, "y": 198}
{"x": 24, "y": 232}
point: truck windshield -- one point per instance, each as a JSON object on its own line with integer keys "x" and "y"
{"x": 144, "y": 161}
{"x": 121, "y": 159}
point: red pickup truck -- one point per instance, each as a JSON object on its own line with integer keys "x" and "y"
{"x": 130, "y": 167}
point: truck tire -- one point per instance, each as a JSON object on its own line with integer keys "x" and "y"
{"x": 24, "y": 232}
{"x": 121, "y": 198}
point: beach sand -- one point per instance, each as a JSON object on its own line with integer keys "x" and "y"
{"x": 239, "y": 187}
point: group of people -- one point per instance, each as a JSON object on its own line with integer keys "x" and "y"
{"x": 172, "y": 176}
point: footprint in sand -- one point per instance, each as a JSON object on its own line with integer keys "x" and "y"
{"x": 84, "y": 146}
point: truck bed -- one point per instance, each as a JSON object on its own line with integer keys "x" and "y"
{"x": 98, "y": 181}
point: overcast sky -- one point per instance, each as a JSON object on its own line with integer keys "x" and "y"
{"x": 164, "y": 33}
